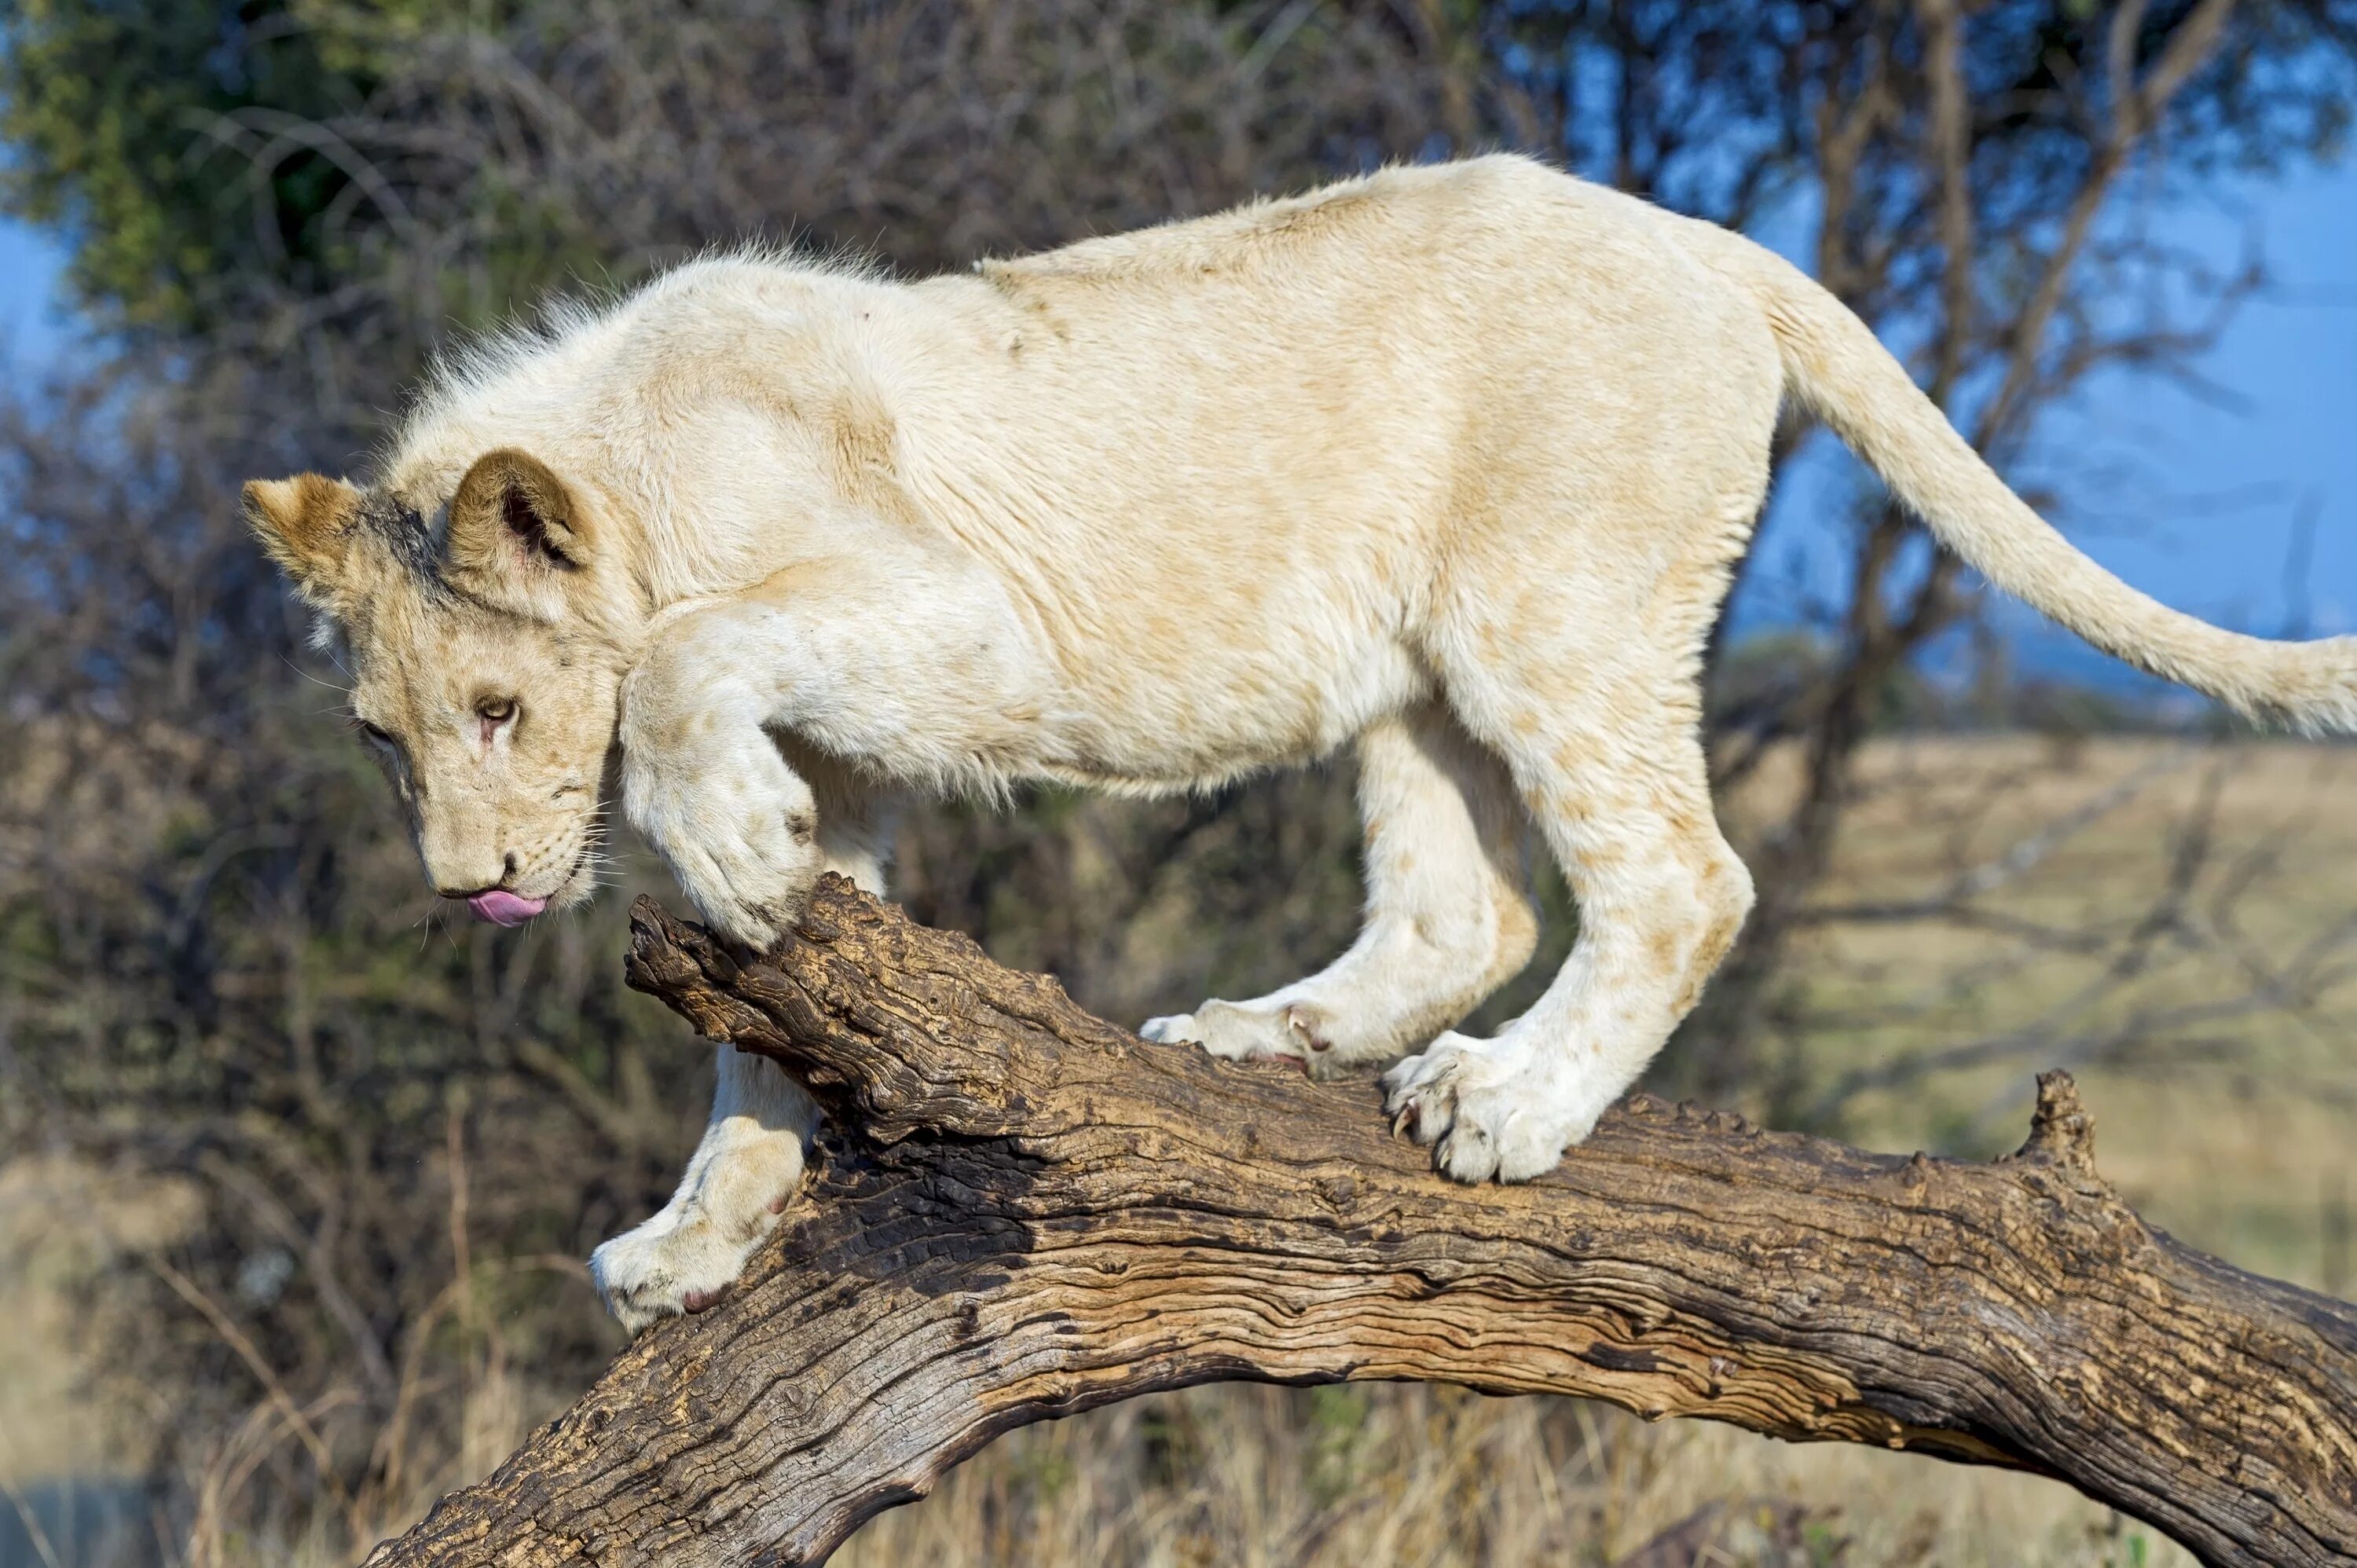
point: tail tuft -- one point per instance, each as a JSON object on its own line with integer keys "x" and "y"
{"x": 2315, "y": 688}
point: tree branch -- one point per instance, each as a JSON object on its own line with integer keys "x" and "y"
{"x": 1019, "y": 1211}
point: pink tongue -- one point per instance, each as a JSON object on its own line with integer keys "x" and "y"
{"x": 502, "y": 908}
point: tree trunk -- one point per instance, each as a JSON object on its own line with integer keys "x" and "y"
{"x": 1019, "y": 1211}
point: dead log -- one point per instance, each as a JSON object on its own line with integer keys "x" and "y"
{"x": 1020, "y": 1211}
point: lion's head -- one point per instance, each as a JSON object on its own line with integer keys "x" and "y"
{"x": 486, "y": 662}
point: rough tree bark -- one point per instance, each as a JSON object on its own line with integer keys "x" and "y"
{"x": 1020, "y": 1211}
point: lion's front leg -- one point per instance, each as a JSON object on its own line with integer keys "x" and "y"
{"x": 750, "y": 1160}
{"x": 747, "y": 1166}
{"x": 707, "y": 786}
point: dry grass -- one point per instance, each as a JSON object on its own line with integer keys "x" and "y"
{"x": 2215, "y": 1049}
{"x": 2225, "y": 1122}
{"x": 1407, "y": 1474}
{"x": 59, "y": 1224}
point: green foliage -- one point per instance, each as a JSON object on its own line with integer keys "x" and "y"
{"x": 201, "y": 154}
{"x": 122, "y": 118}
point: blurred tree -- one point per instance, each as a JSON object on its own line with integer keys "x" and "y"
{"x": 180, "y": 144}
{"x": 447, "y": 161}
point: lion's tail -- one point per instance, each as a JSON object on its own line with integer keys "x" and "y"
{"x": 1834, "y": 364}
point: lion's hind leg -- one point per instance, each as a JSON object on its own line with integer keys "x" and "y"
{"x": 1447, "y": 917}
{"x": 1611, "y": 766}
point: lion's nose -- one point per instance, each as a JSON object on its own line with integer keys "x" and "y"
{"x": 507, "y": 873}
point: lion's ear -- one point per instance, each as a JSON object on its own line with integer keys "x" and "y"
{"x": 304, "y": 523}
{"x": 513, "y": 515}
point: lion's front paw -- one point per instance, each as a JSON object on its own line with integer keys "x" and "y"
{"x": 673, "y": 1263}
{"x": 1487, "y": 1107}
{"x": 737, "y": 826}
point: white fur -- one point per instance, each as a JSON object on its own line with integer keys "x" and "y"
{"x": 736, "y": 1184}
{"x": 742, "y": 1174}
{"x": 1452, "y": 464}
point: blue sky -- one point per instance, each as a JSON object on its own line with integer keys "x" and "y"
{"x": 2211, "y": 526}
{"x": 31, "y": 325}
{"x": 2195, "y": 502}
{"x": 2194, "y": 498}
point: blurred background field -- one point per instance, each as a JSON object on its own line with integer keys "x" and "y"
{"x": 297, "y": 1177}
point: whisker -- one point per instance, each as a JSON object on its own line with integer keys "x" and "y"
{"x": 330, "y": 686}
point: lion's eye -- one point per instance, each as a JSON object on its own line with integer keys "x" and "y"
{"x": 496, "y": 710}
{"x": 371, "y": 733}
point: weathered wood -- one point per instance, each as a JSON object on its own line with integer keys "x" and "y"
{"x": 1021, "y": 1211}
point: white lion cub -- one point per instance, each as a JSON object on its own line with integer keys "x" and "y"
{"x": 1449, "y": 465}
